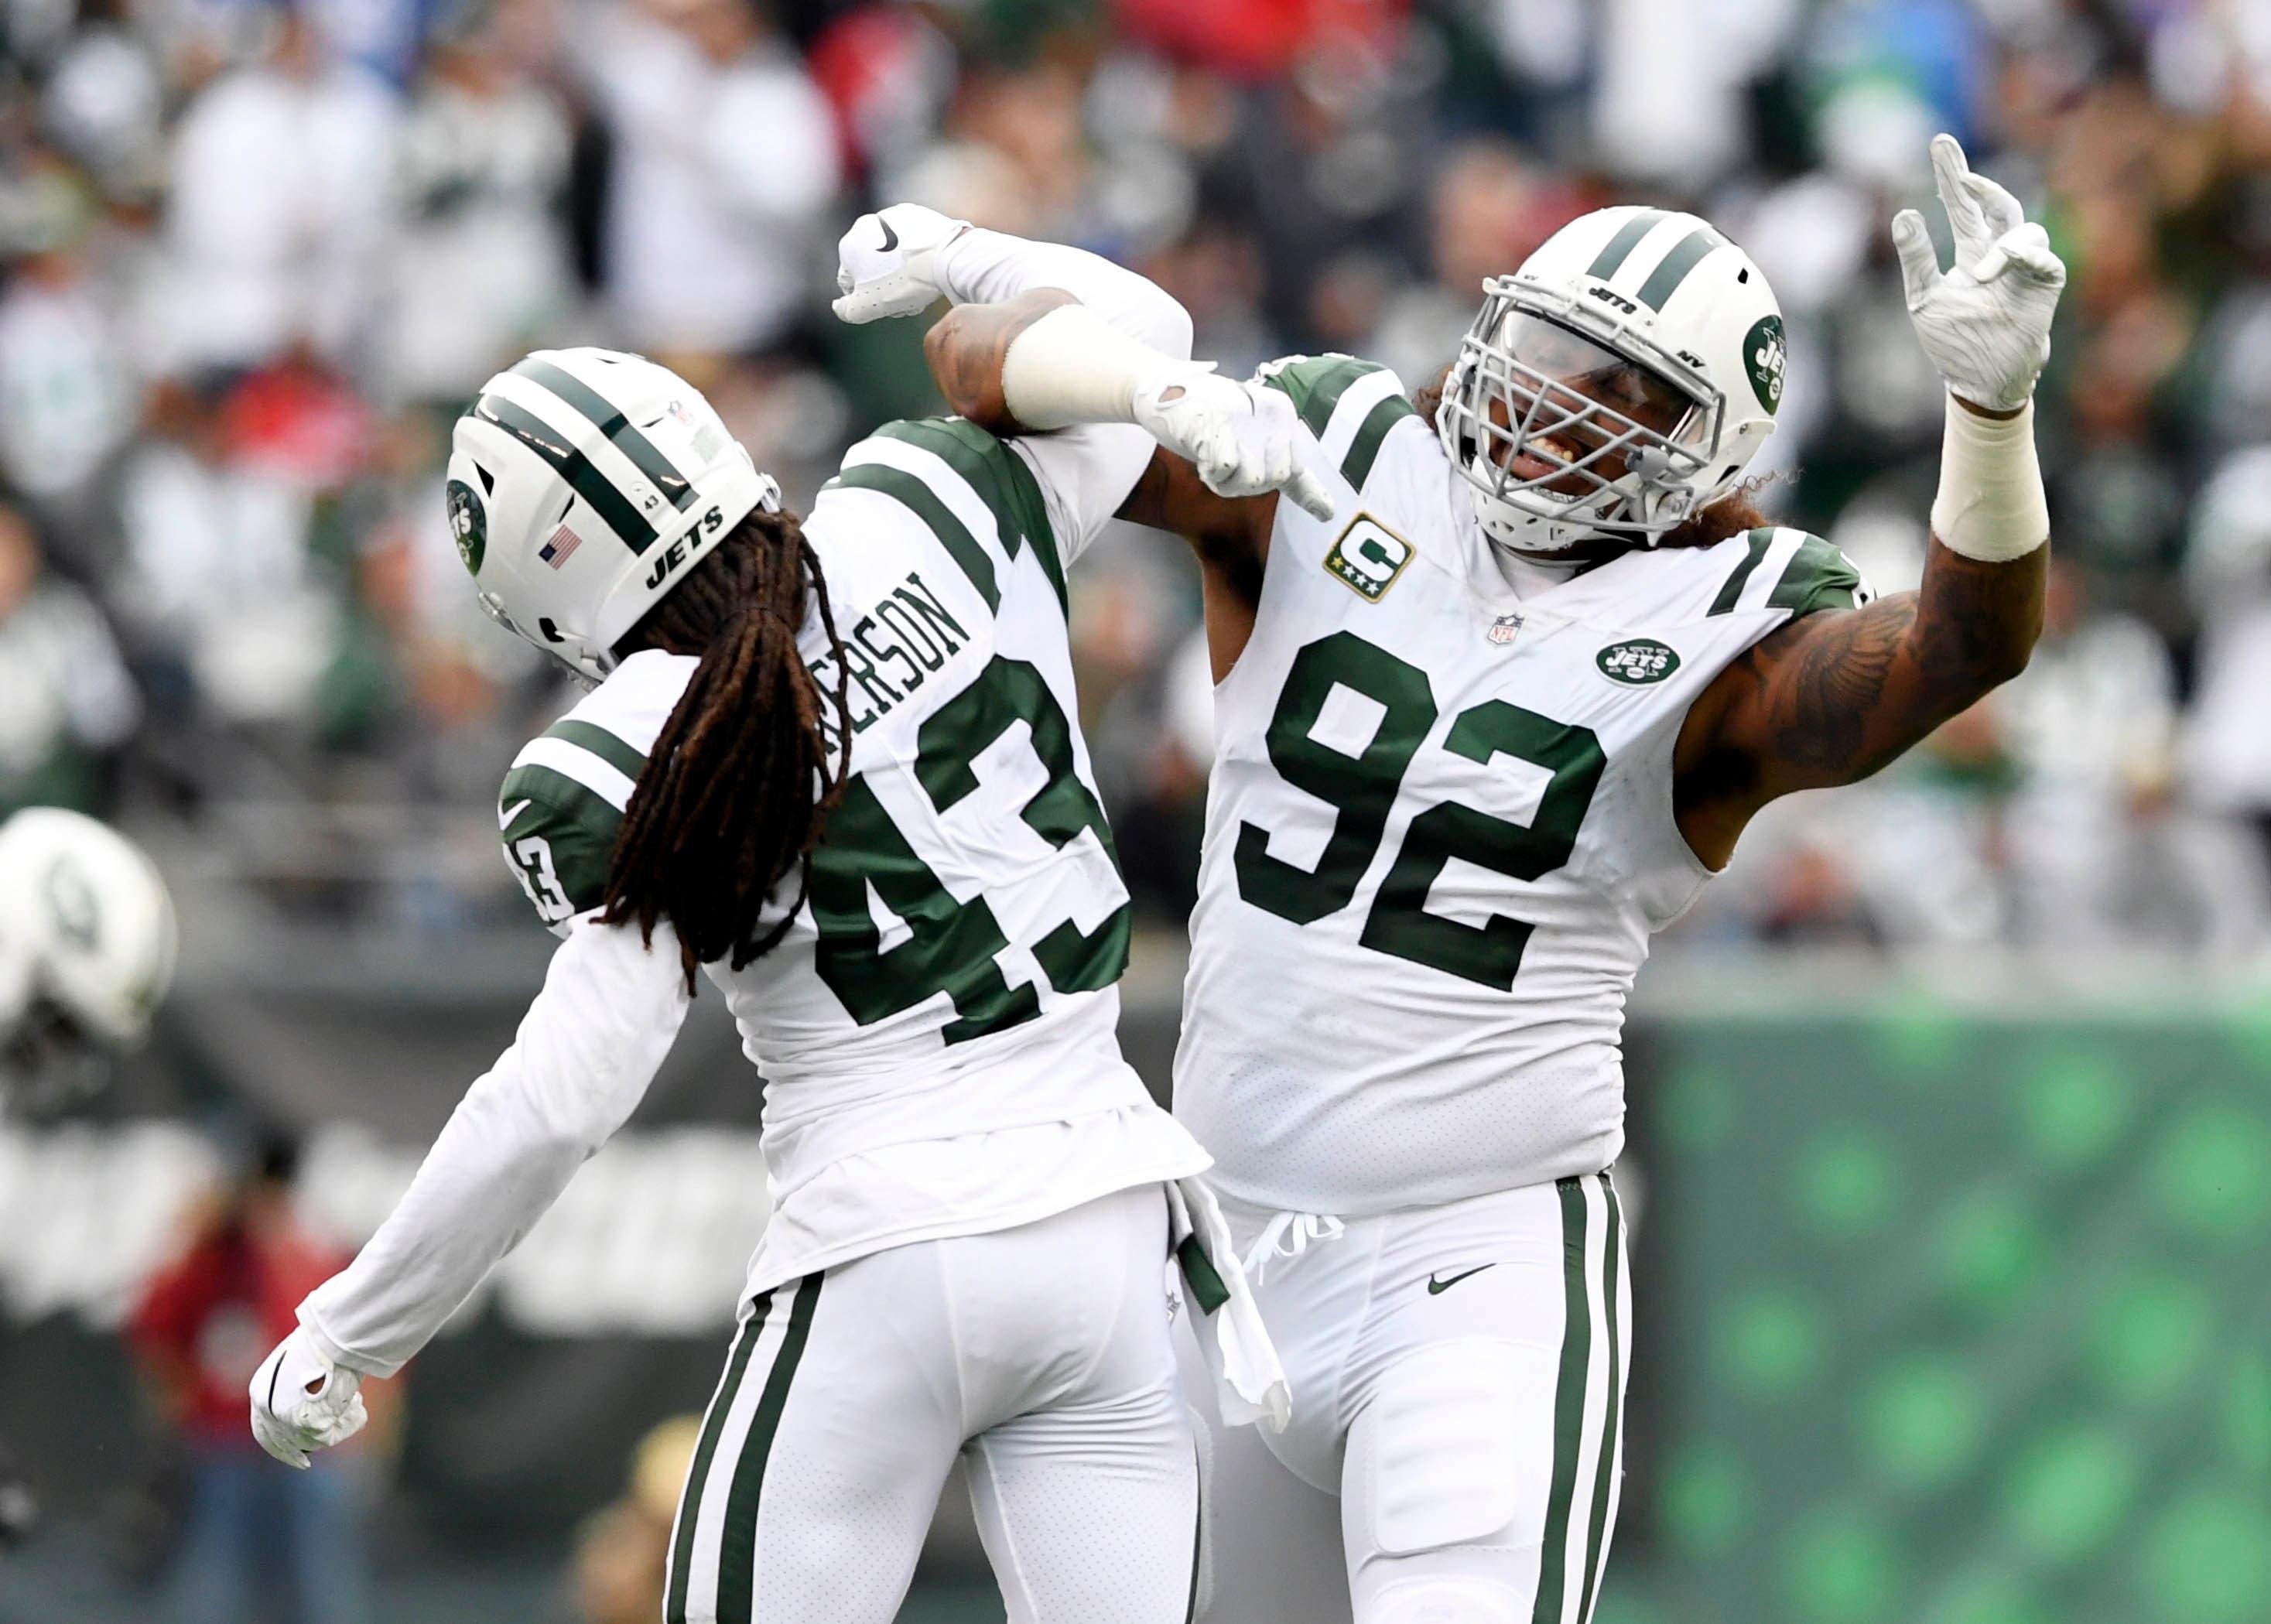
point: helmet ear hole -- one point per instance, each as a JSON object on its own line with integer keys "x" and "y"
{"x": 488, "y": 480}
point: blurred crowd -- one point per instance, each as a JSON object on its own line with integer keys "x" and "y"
{"x": 254, "y": 257}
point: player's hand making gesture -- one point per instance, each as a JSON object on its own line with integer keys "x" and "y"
{"x": 1986, "y": 323}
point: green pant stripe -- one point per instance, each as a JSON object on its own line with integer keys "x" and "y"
{"x": 1002, "y": 482}
{"x": 1605, "y": 1476}
{"x": 689, "y": 1503}
{"x": 1686, "y": 255}
{"x": 737, "y": 1553}
{"x": 1619, "y": 247}
{"x": 1198, "y": 1535}
{"x": 602, "y": 744}
{"x": 1364, "y": 450}
{"x": 1568, "y": 1403}
{"x": 1724, "y": 603}
{"x": 642, "y": 453}
{"x": 919, "y": 499}
{"x": 614, "y": 508}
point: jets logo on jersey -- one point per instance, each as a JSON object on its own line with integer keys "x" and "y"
{"x": 1367, "y": 558}
{"x": 1637, "y": 662}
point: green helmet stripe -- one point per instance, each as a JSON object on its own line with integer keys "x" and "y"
{"x": 1621, "y": 246}
{"x": 614, "y": 425}
{"x": 609, "y": 503}
{"x": 1674, "y": 271}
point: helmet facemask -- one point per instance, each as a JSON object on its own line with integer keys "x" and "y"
{"x": 1570, "y": 426}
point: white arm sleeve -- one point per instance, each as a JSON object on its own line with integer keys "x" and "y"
{"x": 588, "y": 1047}
{"x": 1084, "y": 472}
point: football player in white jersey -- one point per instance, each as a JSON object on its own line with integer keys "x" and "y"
{"x": 1478, "y": 737}
{"x": 831, "y": 765}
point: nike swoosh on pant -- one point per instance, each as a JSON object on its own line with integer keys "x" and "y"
{"x": 1436, "y": 1288}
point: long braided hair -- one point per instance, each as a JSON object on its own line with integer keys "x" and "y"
{"x": 738, "y": 788}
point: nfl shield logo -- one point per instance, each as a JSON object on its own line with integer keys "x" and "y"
{"x": 1504, "y": 629}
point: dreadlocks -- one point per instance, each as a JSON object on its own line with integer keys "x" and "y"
{"x": 740, "y": 784}
{"x": 1731, "y": 515}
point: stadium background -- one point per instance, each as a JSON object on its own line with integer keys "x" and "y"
{"x": 1952, "y": 1107}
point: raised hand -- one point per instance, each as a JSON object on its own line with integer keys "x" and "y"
{"x": 884, "y": 263}
{"x": 1986, "y": 323}
{"x": 1243, "y": 438}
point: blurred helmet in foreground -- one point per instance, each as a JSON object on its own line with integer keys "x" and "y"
{"x": 87, "y": 946}
{"x": 1621, "y": 380}
{"x": 584, "y": 485}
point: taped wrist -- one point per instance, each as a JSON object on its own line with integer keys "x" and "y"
{"x": 1073, "y": 367}
{"x": 1990, "y": 504}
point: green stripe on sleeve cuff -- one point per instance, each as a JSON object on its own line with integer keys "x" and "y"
{"x": 1315, "y": 385}
{"x": 601, "y": 743}
{"x": 1817, "y": 577}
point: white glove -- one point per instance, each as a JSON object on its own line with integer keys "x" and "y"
{"x": 301, "y": 1401}
{"x": 1986, "y": 323}
{"x": 883, "y": 264}
{"x": 1241, "y": 437}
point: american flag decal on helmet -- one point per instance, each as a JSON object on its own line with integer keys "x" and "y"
{"x": 564, "y": 542}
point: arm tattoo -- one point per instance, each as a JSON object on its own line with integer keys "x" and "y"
{"x": 1832, "y": 680}
{"x": 1835, "y": 696}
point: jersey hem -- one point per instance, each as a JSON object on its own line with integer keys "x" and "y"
{"x": 777, "y": 1272}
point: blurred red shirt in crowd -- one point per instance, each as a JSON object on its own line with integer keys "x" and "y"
{"x": 207, "y": 1319}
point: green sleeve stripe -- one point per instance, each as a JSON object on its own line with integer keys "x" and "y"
{"x": 1686, "y": 255}
{"x": 573, "y": 822}
{"x": 1724, "y": 603}
{"x": 611, "y": 422}
{"x": 919, "y": 499}
{"x": 613, "y": 507}
{"x": 1356, "y": 467}
{"x": 1315, "y": 386}
{"x": 1001, "y": 480}
{"x": 1819, "y": 576}
{"x": 601, "y": 743}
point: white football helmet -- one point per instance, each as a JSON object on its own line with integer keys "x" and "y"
{"x": 1623, "y": 379}
{"x": 583, "y": 485}
{"x": 88, "y": 946}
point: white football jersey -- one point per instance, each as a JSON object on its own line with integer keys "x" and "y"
{"x": 953, "y": 972}
{"x": 1439, "y": 828}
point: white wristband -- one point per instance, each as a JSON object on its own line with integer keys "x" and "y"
{"x": 1073, "y": 367}
{"x": 1991, "y": 505}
